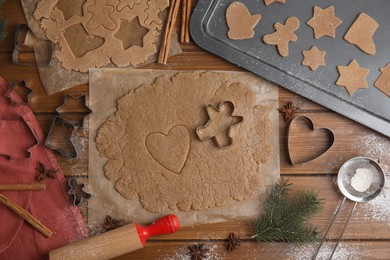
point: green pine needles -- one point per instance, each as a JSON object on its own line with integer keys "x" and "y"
{"x": 285, "y": 219}
{"x": 3, "y": 25}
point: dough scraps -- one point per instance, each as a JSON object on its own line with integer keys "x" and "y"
{"x": 240, "y": 21}
{"x": 383, "y": 82}
{"x": 102, "y": 31}
{"x": 198, "y": 177}
{"x": 283, "y": 35}
{"x": 314, "y": 58}
{"x": 352, "y": 77}
{"x": 324, "y": 22}
{"x": 268, "y": 2}
{"x": 361, "y": 33}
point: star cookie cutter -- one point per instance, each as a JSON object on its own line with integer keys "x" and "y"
{"x": 309, "y": 123}
{"x": 208, "y": 132}
{"x": 67, "y": 109}
{"x": 77, "y": 191}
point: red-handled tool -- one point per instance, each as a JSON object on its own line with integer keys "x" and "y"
{"x": 116, "y": 242}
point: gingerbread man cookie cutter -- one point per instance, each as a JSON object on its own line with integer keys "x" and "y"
{"x": 209, "y": 131}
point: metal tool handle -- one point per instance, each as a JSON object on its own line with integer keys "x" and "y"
{"x": 342, "y": 231}
{"x": 380, "y": 153}
{"x": 329, "y": 227}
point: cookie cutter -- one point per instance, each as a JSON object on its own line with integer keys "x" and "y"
{"x": 200, "y": 129}
{"x": 77, "y": 191}
{"x": 79, "y": 102}
{"x": 69, "y": 126}
{"x": 311, "y": 126}
{"x": 345, "y": 174}
{"x": 62, "y": 137}
{"x": 21, "y": 88}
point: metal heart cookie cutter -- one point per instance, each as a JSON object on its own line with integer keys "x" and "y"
{"x": 344, "y": 182}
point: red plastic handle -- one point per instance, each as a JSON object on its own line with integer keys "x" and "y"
{"x": 165, "y": 225}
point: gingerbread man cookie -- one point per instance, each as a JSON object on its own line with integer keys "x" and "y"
{"x": 283, "y": 35}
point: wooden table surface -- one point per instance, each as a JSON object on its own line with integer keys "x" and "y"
{"x": 368, "y": 233}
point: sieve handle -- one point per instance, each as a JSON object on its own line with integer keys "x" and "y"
{"x": 380, "y": 153}
{"x": 342, "y": 231}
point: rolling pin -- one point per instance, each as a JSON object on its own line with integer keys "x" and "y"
{"x": 117, "y": 242}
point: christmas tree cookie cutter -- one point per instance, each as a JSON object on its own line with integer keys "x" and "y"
{"x": 218, "y": 129}
{"x": 344, "y": 177}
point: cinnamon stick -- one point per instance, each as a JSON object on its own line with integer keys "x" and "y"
{"x": 23, "y": 186}
{"x": 169, "y": 28}
{"x": 26, "y": 216}
{"x": 183, "y": 30}
{"x": 187, "y": 25}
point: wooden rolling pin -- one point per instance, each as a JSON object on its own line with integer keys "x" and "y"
{"x": 117, "y": 242}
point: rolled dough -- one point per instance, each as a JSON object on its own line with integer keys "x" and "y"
{"x": 163, "y": 115}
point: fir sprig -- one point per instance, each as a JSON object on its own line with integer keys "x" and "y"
{"x": 3, "y": 25}
{"x": 285, "y": 219}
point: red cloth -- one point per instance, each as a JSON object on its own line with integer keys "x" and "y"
{"x": 22, "y": 150}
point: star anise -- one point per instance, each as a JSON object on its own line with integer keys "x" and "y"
{"x": 233, "y": 242}
{"x": 288, "y": 111}
{"x": 45, "y": 172}
{"x": 112, "y": 223}
{"x": 197, "y": 251}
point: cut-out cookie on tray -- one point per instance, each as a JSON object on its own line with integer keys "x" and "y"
{"x": 383, "y": 82}
{"x": 324, "y": 22}
{"x": 352, "y": 77}
{"x": 101, "y": 34}
{"x": 268, "y": 2}
{"x": 314, "y": 58}
{"x": 240, "y": 21}
{"x": 361, "y": 33}
{"x": 165, "y": 165}
{"x": 283, "y": 35}
{"x": 220, "y": 124}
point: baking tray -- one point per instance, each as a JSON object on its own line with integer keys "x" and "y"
{"x": 370, "y": 107}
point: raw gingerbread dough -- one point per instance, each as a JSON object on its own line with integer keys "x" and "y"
{"x": 240, "y": 21}
{"x": 154, "y": 153}
{"x": 383, "y": 82}
{"x": 361, "y": 33}
{"x": 268, "y": 2}
{"x": 324, "y": 22}
{"x": 352, "y": 77}
{"x": 314, "y": 58}
{"x": 106, "y": 32}
{"x": 283, "y": 35}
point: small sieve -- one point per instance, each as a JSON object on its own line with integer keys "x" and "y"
{"x": 344, "y": 177}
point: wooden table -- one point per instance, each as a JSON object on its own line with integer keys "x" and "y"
{"x": 368, "y": 233}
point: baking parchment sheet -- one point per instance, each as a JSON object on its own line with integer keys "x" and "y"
{"x": 106, "y": 87}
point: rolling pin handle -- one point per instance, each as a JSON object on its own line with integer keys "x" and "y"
{"x": 165, "y": 225}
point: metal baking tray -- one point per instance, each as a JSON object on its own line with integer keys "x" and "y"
{"x": 369, "y": 106}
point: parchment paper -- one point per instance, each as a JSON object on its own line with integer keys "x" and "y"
{"x": 53, "y": 76}
{"x": 108, "y": 85}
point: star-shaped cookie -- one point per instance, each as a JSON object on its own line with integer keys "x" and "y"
{"x": 314, "y": 58}
{"x": 268, "y": 2}
{"x": 352, "y": 77}
{"x": 324, "y": 22}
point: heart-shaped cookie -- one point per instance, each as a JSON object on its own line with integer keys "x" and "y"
{"x": 311, "y": 142}
{"x": 170, "y": 150}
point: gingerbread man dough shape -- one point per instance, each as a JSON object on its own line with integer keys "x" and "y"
{"x": 240, "y": 21}
{"x": 283, "y": 35}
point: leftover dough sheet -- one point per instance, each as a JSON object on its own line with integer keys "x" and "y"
{"x": 53, "y": 76}
{"x": 106, "y": 87}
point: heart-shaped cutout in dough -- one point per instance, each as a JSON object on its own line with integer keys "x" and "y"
{"x": 305, "y": 142}
{"x": 170, "y": 150}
